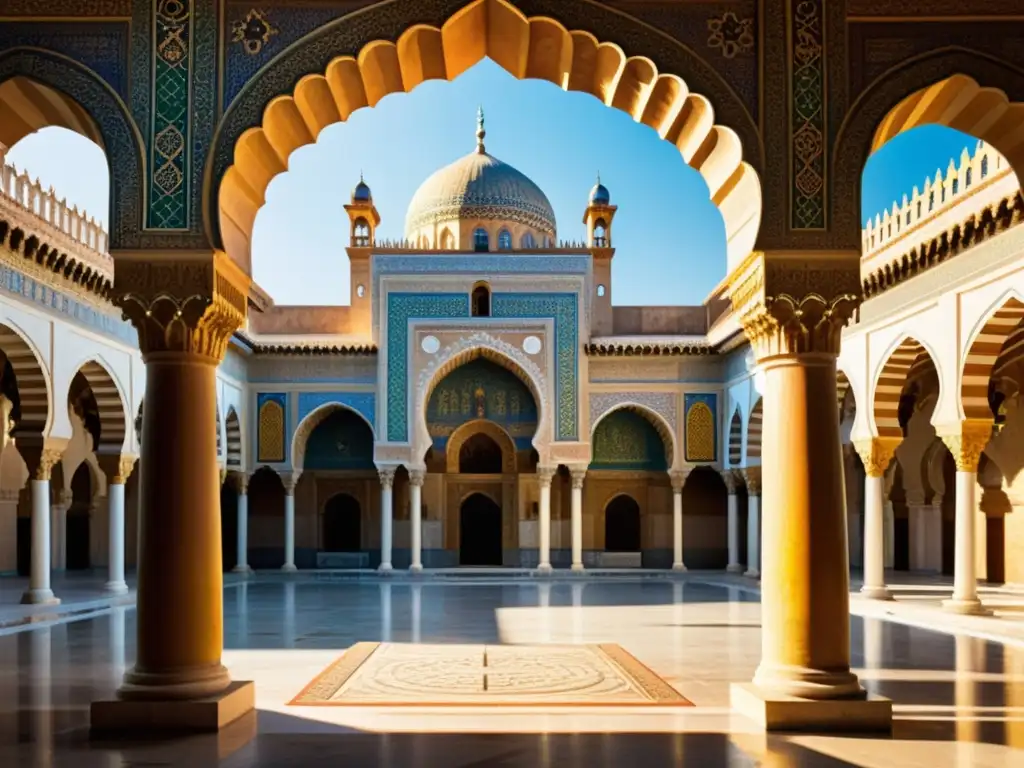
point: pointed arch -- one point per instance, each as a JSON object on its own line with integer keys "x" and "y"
{"x": 262, "y": 127}
{"x": 33, "y": 384}
{"x": 905, "y": 362}
{"x": 842, "y": 388}
{"x": 233, "y": 427}
{"x": 111, "y": 405}
{"x": 986, "y": 344}
{"x": 314, "y": 419}
{"x": 736, "y": 438}
{"x": 654, "y": 418}
{"x": 754, "y": 432}
{"x": 453, "y": 448}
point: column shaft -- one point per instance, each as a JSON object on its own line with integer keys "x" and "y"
{"x": 733, "y": 531}
{"x": 753, "y": 536}
{"x": 242, "y": 535}
{"x": 387, "y": 478}
{"x": 677, "y": 530}
{"x": 544, "y": 476}
{"x": 577, "y": 519}
{"x": 39, "y": 591}
{"x": 115, "y": 538}
{"x": 415, "y": 519}
{"x": 179, "y": 617}
{"x": 289, "y": 529}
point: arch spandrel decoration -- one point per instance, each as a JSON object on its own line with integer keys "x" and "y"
{"x": 701, "y": 431}
{"x": 470, "y": 347}
{"x": 270, "y": 428}
{"x": 476, "y": 427}
{"x": 310, "y": 87}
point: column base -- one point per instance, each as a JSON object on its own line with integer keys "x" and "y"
{"x": 578, "y": 567}
{"x": 544, "y": 569}
{"x": 972, "y": 607}
{"x": 876, "y": 593}
{"x": 416, "y": 568}
{"x": 679, "y": 567}
{"x": 385, "y": 568}
{"x": 778, "y": 712}
{"x": 245, "y": 570}
{"x": 734, "y": 568}
{"x": 115, "y": 588}
{"x": 129, "y": 718}
{"x": 39, "y": 597}
{"x": 752, "y": 573}
{"x": 289, "y": 568}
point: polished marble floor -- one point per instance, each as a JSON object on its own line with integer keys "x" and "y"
{"x": 958, "y": 700}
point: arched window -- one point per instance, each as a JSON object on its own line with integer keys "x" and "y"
{"x": 984, "y": 166}
{"x": 943, "y": 193}
{"x": 527, "y": 241}
{"x": 919, "y": 209}
{"x": 447, "y": 241}
{"x": 931, "y": 201}
{"x": 599, "y": 234}
{"x": 908, "y": 215}
{"x": 481, "y": 242}
{"x": 361, "y": 233}
{"x": 956, "y": 185}
{"x": 504, "y": 240}
{"x": 600, "y": 290}
{"x": 481, "y": 303}
{"x": 968, "y": 178}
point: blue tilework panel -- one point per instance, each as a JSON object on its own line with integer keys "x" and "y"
{"x": 562, "y": 308}
{"x": 403, "y": 307}
{"x": 363, "y": 403}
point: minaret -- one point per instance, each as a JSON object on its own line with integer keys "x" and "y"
{"x": 598, "y": 220}
{"x": 364, "y": 220}
{"x": 480, "y": 132}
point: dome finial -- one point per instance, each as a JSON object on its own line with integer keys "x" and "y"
{"x": 480, "y": 132}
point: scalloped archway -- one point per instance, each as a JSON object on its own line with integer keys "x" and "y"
{"x": 247, "y": 156}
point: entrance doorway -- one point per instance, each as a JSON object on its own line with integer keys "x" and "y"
{"x": 622, "y": 525}
{"x": 479, "y": 531}
{"x": 342, "y": 524}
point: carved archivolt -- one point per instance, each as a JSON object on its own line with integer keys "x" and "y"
{"x": 476, "y": 427}
{"x": 482, "y": 344}
{"x": 659, "y": 408}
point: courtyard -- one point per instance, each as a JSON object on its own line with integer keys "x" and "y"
{"x": 958, "y": 700}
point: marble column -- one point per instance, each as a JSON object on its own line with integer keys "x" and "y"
{"x": 876, "y": 453}
{"x": 545, "y": 474}
{"x": 966, "y": 441}
{"x": 59, "y": 529}
{"x": 289, "y": 480}
{"x": 387, "y": 480}
{"x": 578, "y": 476}
{"x": 732, "y": 482}
{"x": 118, "y": 469}
{"x": 416, "y": 478}
{"x": 242, "y": 534}
{"x": 805, "y": 602}
{"x": 185, "y": 305}
{"x": 40, "y": 461}
{"x": 678, "y": 480}
{"x": 752, "y": 476}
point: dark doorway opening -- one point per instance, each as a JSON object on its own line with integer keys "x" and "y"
{"x": 622, "y": 525}
{"x": 228, "y": 524}
{"x": 479, "y": 531}
{"x": 480, "y": 455}
{"x": 77, "y": 533}
{"x": 342, "y": 524}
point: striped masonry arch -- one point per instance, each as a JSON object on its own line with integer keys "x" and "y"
{"x": 112, "y": 410}
{"x": 1013, "y": 350}
{"x": 905, "y": 363}
{"x": 736, "y": 440}
{"x": 754, "y": 433}
{"x": 234, "y": 430}
{"x": 842, "y": 387}
{"x": 982, "y": 356}
{"x": 30, "y": 380}
{"x": 220, "y": 440}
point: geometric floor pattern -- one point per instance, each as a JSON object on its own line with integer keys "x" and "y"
{"x": 399, "y": 674}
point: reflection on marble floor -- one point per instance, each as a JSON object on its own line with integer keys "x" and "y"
{"x": 958, "y": 700}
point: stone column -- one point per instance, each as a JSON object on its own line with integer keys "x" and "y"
{"x": 678, "y": 480}
{"x": 40, "y": 461}
{"x": 804, "y": 680}
{"x": 289, "y": 480}
{"x": 544, "y": 476}
{"x": 416, "y": 478}
{"x": 118, "y": 469}
{"x": 59, "y": 529}
{"x": 752, "y": 475}
{"x": 966, "y": 441}
{"x": 242, "y": 535}
{"x": 578, "y": 476}
{"x": 185, "y": 306}
{"x": 732, "y": 482}
{"x": 387, "y": 480}
{"x": 876, "y": 453}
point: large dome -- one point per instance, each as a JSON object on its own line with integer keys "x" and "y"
{"x": 479, "y": 187}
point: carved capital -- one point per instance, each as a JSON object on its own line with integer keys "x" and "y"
{"x": 966, "y": 441}
{"x": 797, "y": 303}
{"x": 223, "y": 475}
{"x": 387, "y": 476}
{"x": 40, "y": 455}
{"x": 752, "y": 477}
{"x": 876, "y": 453}
{"x": 289, "y": 480}
{"x": 48, "y": 459}
{"x": 678, "y": 479}
{"x": 417, "y": 476}
{"x": 578, "y": 476}
{"x": 117, "y": 467}
{"x": 181, "y": 301}
{"x": 241, "y": 482}
{"x": 545, "y": 473}
{"x": 733, "y": 479}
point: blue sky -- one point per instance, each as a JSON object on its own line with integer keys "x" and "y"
{"x": 669, "y": 238}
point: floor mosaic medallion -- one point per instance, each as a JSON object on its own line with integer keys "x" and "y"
{"x": 396, "y": 674}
